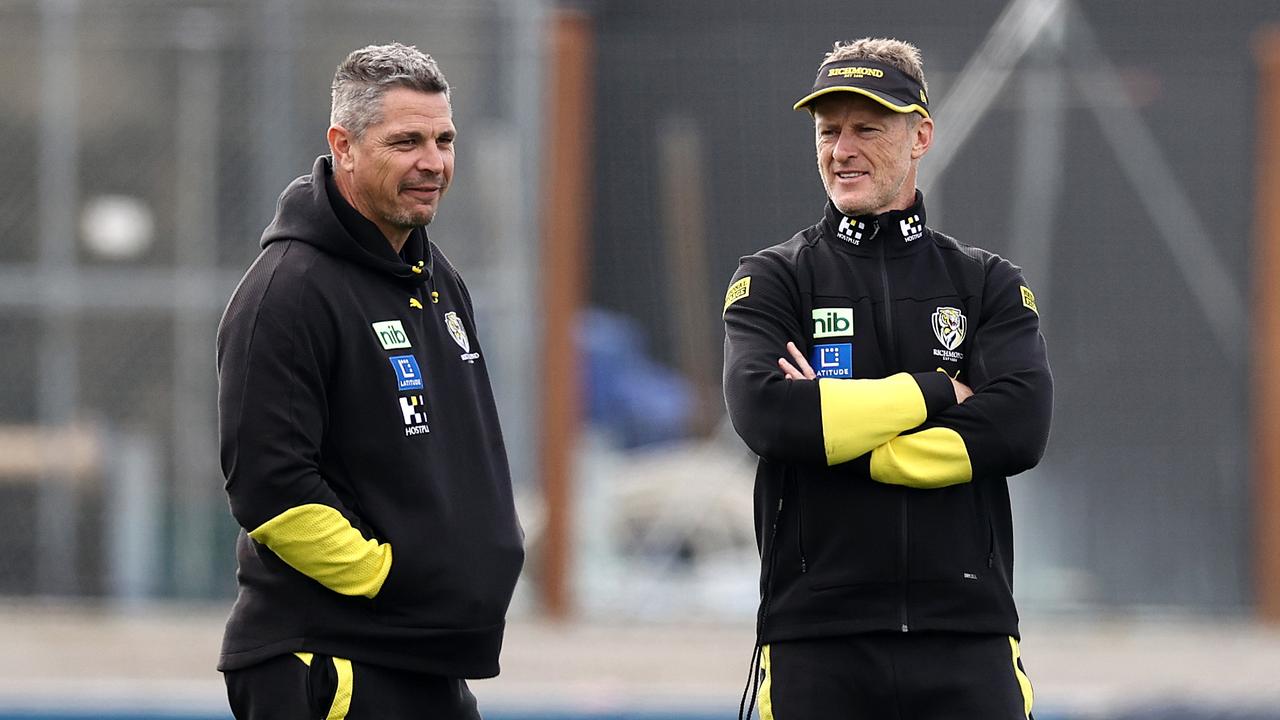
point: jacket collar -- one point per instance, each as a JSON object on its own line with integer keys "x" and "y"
{"x": 897, "y": 231}
{"x": 414, "y": 261}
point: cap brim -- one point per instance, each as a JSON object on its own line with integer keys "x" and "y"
{"x": 887, "y": 102}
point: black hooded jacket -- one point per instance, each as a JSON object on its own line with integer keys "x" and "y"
{"x": 881, "y": 503}
{"x": 361, "y": 449}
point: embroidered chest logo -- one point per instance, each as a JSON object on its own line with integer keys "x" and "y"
{"x": 414, "y": 410}
{"x": 911, "y": 228}
{"x": 458, "y": 332}
{"x": 949, "y": 326}
{"x": 459, "y": 335}
{"x": 851, "y": 231}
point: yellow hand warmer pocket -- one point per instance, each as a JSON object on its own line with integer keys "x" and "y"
{"x": 858, "y": 415}
{"x": 317, "y": 541}
{"x": 932, "y": 458}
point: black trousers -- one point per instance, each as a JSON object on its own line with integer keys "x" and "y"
{"x": 895, "y": 676}
{"x": 302, "y": 686}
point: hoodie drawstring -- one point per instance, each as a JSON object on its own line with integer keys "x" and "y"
{"x": 753, "y": 676}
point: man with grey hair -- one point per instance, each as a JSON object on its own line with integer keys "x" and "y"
{"x": 891, "y": 379}
{"x": 359, "y": 436}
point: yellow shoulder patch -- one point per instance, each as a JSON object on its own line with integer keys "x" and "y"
{"x": 1029, "y": 298}
{"x": 737, "y": 291}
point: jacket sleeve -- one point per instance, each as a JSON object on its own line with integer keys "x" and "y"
{"x": 826, "y": 422}
{"x": 274, "y": 346}
{"x": 1003, "y": 428}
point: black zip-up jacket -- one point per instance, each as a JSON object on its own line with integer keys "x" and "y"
{"x": 361, "y": 449}
{"x": 881, "y": 503}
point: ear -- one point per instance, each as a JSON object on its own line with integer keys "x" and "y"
{"x": 340, "y": 142}
{"x": 922, "y": 138}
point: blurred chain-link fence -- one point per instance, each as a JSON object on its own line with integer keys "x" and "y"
{"x": 149, "y": 143}
{"x": 1110, "y": 156}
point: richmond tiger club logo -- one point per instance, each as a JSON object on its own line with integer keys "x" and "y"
{"x": 949, "y": 325}
{"x": 459, "y": 335}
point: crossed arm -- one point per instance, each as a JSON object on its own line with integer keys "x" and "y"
{"x": 933, "y": 465}
{"x": 917, "y": 429}
{"x": 801, "y": 370}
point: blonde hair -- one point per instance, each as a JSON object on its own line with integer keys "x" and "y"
{"x": 897, "y": 53}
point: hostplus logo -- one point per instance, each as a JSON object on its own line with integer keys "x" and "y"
{"x": 911, "y": 228}
{"x": 414, "y": 410}
{"x": 851, "y": 230}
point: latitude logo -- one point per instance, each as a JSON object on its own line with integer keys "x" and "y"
{"x": 834, "y": 360}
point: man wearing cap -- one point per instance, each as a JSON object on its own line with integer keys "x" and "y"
{"x": 890, "y": 378}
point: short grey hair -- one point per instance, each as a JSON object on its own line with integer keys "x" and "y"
{"x": 896, "y": 53}
{"x": 368, "y": 73}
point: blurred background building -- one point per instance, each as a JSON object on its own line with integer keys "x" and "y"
{"x": 615, "y": 160}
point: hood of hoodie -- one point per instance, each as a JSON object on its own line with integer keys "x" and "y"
{"x": 306, "y": 212}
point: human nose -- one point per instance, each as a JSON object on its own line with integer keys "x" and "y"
{"x": 431, "y": 159}
{"x": 846, "y": 145}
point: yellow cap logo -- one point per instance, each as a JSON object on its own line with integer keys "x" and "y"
{"x": 858, "y": 72}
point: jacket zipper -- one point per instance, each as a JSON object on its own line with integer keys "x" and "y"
{"x": 891, "y": 351}
{"x": 804, "y": 562}
{"x": 991, "y": 543}
{"x": 905, "y": 626}
{"x": 892, "y": 345}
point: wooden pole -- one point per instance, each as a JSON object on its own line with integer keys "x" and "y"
{"x": 1267, "y": 332}
{"x": 683, "y": 212}
{"x": 564, "y": 251}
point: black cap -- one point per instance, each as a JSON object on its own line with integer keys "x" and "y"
{"x": 883, "y": 83}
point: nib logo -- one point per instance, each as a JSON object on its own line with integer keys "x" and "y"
{"x": 832, "y": 322}
{"x": 391, "y": 334}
